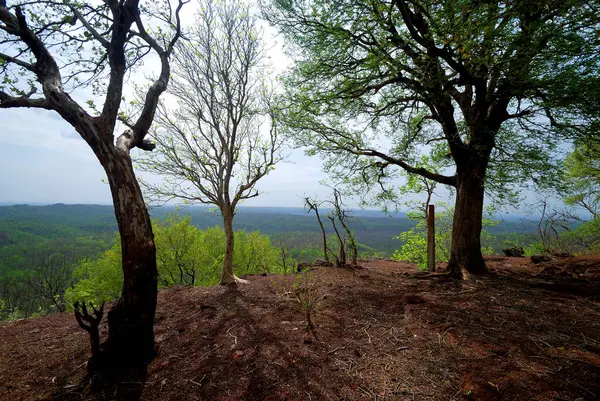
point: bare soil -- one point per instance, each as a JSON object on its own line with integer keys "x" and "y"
{"x": 383, "y": 332}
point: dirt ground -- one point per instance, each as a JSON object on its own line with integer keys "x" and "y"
{"x": 383, "y": 332}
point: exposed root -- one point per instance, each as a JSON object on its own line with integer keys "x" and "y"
{"x": 233, "y": 280}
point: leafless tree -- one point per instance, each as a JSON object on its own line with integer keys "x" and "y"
{"x": 343, "y": 216}
{"x": 346, "y": 240}
{"x": 15, "y": 299}
{"x": 57, "y": 45}
{"x": 221, "y": 138}
{"x": 310, "y": 205}
{"x": 49, "y": 279}
{"x": 551, "y": 224}
{"x": 286, "y": 263}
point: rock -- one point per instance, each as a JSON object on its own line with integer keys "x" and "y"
{"x": 515, "y": 251}
{"x": 540, "y": 258}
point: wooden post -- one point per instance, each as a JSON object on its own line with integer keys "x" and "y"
{"x": 431, "y": 238}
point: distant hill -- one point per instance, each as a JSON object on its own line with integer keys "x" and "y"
{"x": 87, "y": 230}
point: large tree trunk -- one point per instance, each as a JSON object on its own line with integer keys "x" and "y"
{"x": 131, "y": 320}
{"x": 465, "y": 253}
{"x": 227, "y": 276}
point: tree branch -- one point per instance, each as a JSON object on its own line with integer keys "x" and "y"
{"x": 142, "y": 126}
{"x": 18, "y": 62}
{"x": 105, "y": 43}
{"x": 442, "y": 179}
{"x": 7, "y": 101}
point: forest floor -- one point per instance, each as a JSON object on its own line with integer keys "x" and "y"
{"x": 383, "y": 332}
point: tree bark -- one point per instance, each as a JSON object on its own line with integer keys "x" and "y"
{"x": 465, "y": 254}
{"x": 227, "y": 275}
{"x": 131, "y": 319}
{"x": 430, "y": 216}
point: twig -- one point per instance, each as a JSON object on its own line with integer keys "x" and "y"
{"x": 340, "y": 348}
{"x": 534, "y": 339}
{"x": 367, "y": 333}
{"x": 231, "y": 335}
{"x": 199, "y": 384}
{"x": 584, "y": 337}
{"x": 209, "y": 351}
{"x": 583, "y": 388}
{"x": 366, "y": 391}
{"x": 79, "y": 366}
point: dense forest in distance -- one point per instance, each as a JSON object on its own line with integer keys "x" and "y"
{"x": 88, "y": 230}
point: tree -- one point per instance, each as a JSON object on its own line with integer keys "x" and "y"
{"x": 212, "y": 148}
{"x": 186, "y": 256}
{"x": 414, "y": 241}
{"x": 310, "y": 205}
{"x": 582, "y": 175}
{"x": 98, "y": 280}
{"x": 178, "y": 245}
{"x": 49, "y": 279}
{"x": 499, "y": 83}
{"x": 346, "y": 241}
{"x": 349, "y": 240}
{"x": 98, "y": 44}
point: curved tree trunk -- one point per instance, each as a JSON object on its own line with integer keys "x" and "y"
{"x": 465, "y": 252}
{"x": 131, "y": 320}
{"x": 227, "y": 275}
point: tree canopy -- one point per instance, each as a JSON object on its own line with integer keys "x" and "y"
{"x": 500, "y": 84}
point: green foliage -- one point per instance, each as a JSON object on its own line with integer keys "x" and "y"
{"x": 534, "y": 248}
{"x": 582, "y": 176}
{"x": 178, "y": 247}
{"x": 81, "y": 230}
{"x": 377, "y": 85}
{"x": 186, "y": 255}
{"x": 98, "y": 280}
{"x": 414, "y": 241}
{"x": 586, "y": 237}
{"x": 254, "y": 253}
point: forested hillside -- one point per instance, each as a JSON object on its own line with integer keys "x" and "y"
{"x": 88, "y": 230}
{"x": 450, "y": 110}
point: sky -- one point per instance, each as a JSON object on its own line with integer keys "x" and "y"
{"x": 43, "y": 160}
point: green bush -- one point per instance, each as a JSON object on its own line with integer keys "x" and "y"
{"x": 185, "y": 255}
{"x": 98, "y": 280}
{"x": 414, "y": 241}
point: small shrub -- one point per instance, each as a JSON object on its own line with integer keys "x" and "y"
{"x": 307, "y": 291}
